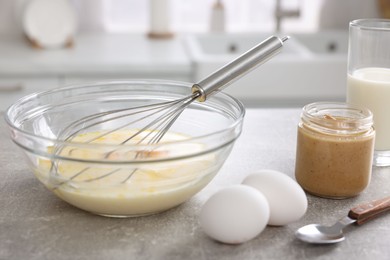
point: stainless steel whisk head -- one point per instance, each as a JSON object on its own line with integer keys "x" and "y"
{"x": 159, "y": 117}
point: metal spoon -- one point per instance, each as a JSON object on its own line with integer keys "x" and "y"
{"x": 318, "y": 234}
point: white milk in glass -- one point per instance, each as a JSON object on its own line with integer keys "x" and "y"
{"x": 370, "y": 88}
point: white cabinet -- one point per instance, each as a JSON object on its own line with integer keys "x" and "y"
{"x": 13, "y": 88}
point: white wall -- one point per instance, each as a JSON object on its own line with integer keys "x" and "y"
{"x": 336, "y": 14}
{"x": 8, "y": 13}
{"x": 315, "y": 14}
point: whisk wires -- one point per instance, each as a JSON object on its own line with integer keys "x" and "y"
{"x": 161, "y": 117}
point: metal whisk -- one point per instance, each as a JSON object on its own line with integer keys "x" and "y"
{"x": 166, "y": 113}
{"x": 161, "y": 116}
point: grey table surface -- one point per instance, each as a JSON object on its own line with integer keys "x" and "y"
{"x": 34, "y": 224}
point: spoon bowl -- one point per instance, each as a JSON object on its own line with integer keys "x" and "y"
{"x": 319, "y": 234}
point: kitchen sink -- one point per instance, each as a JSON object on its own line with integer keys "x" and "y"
{"x": 311, "y": 67}
{"x": 325, "y": 43}
{"x": 228, "y": 46}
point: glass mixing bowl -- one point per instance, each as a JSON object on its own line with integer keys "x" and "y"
{"x": 93, "y": 166}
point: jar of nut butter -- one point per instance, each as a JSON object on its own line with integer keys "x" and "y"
{"x": 335, "y": 147}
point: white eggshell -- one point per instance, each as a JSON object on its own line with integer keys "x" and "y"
{"x": 235, "y": 214}
{"x": 286, "y": 199}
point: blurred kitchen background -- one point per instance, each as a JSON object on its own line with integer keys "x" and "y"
{"x": 46, "y": 44}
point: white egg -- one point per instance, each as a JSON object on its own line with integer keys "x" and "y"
{"x": 286, "y": 199}
{"x": 235, "y": 214}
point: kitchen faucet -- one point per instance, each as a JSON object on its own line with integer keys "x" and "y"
{"x": 280, "y": 13}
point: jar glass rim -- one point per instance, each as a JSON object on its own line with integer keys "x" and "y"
{"x": 337, "y": 117}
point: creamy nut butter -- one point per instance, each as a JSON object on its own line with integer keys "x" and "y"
{"x": 335, "y": 146}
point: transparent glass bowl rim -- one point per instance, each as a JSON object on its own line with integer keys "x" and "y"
{"x": 223, "y": 96}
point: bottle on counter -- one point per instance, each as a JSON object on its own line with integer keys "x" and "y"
{"x": 335, "y": 146}
{"x": 160, "y": 19}
{"x": 217, "y": 20}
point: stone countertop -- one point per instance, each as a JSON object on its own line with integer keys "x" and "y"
{"x": 95, "y": 53}
{"x": 34, "y": 224}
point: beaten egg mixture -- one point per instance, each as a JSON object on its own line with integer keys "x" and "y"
{"x": 117, "y": 188}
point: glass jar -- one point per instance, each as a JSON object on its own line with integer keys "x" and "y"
{"x": 335, "y": 146}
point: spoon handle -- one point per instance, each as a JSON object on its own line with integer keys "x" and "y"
{"x": 369, "y": 210}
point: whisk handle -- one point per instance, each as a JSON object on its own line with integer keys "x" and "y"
{"x": 238, "y": 67}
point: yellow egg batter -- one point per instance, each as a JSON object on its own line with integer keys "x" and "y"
{"x": 119, "y": 188}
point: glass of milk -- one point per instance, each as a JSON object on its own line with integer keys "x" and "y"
{"x": 368, "y": 83}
